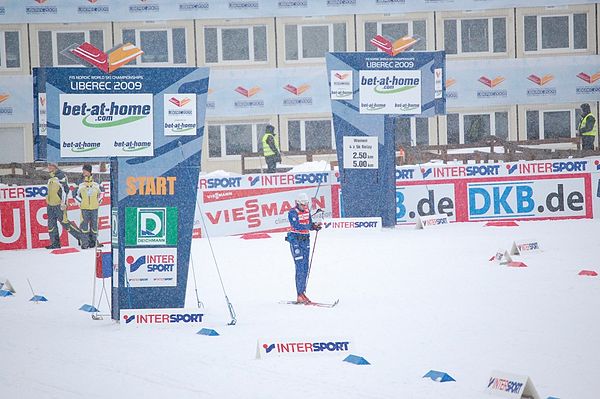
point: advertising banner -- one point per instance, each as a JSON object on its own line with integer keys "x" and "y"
{"x": 533, "y": 190}
{"x": 233, "y": 205}
{"x": 294, "y": 347}
{"x": 267, "y": 92}
{"x": 150, "y": 123}
{"x": 52, "y": 11}
{"x": 106, "y": 125}
{"x": 180, "y": 115}
{"x": 288, "y": 91}
{"x": 259, "y": 202}
{"x": 161, "y": 317}
{"x": 380, "y": 92}
{"x": 390, "y": 85}
{"x": 23, "y": 218}
{"x": 151, "y": 267}
{"x": 479, "y": 83}
{"x": 16, "y": 103}
{"x": 155, "y": 196}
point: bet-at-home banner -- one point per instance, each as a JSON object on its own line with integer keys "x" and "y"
{"x": 369, "y": 92}
{"x": 149, "y": 122}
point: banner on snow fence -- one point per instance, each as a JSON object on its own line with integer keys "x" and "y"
{"x": 534, "y": 190}
{"x": 260, "y": 202}
{"x": 23, "y": 218}
{"x": 231, "y": 205}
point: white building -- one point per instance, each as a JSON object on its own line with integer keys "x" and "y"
{"x": 560, "y": 31}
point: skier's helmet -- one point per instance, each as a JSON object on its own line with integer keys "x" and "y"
{"x": 302, "y": 199}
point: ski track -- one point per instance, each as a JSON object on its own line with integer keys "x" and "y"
{"x": 410, "y": 301}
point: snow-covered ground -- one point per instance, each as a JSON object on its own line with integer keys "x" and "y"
{"x": 410, "y": 301}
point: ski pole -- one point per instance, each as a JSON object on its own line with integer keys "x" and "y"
{"x": 314, "y": 246}
{"x": 311, "y": 256}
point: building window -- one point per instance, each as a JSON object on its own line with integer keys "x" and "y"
{"x": 164, "y": 46}
{"x": 231, "y": 140}
{"x": 550, "y": 124}
{"x": 10, "y": 50}
{"x": 52, "y": 45}
{"x": 395, "y": 31}
{"x": 241, "y": 44}
{"x": 550, "y": 33}
{"x": 308, "y": 42}
{"x": 412, "y": 131}
{"x": 472, "y": 128}
{"x": 310, "y": 135}
{"x": 475, "y": 36}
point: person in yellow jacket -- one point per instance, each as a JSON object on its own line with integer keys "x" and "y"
{"x": 88, "y": 196}
{"x": 270, "y": 146}
{"x": 56, "y": 205}
{"x": 587, "y": 128}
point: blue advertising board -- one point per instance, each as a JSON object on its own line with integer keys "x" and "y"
{"x": 369, "y": 92}
{"x": 150, "y": 123}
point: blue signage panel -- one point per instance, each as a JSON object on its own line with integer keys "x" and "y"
{"x": 150, "y": 123}
{"x": 369, "y": 92}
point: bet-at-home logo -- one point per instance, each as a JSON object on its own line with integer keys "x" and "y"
{"x": 151, "y": 226}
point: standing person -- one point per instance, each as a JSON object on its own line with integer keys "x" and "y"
{"x": 270, "y": 146}
{"x": 88, "y": 196}
{"x": 299, "y": 238}
{"x": 587, "y": 128}
{"x": 56, "y": 205}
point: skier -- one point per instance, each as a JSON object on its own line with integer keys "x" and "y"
{"x": 56, "y": 205}
{"x": 88, "y": 196}
{"x": 299, "y": 238}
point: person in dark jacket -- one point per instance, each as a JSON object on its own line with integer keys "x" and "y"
{"x": 299, "y": 239}
{"x": 587, "y": 128}
{"x": 270, "y": 146}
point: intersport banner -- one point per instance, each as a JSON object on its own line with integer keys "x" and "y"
{"x": 260, "y": 202}
{"x": 24, "y": 222}
{"x": 536, "y": 190}
{"x": 233, "y": 205}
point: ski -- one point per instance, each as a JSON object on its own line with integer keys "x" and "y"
{"x": 318, "y": 304}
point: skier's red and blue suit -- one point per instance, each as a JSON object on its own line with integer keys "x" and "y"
{"x": 299, "y": 239}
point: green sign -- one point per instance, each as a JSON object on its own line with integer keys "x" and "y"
{"x": 151, "y": 226}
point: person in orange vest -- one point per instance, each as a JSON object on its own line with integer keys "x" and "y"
{"x": 299, "y": 239}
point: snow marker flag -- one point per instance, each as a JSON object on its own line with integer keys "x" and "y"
{"x": 6, "y": 285}
{"x": 521, "y": 246}
{"x": 431, "y": 221}
{"x": 511, "y": 386}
